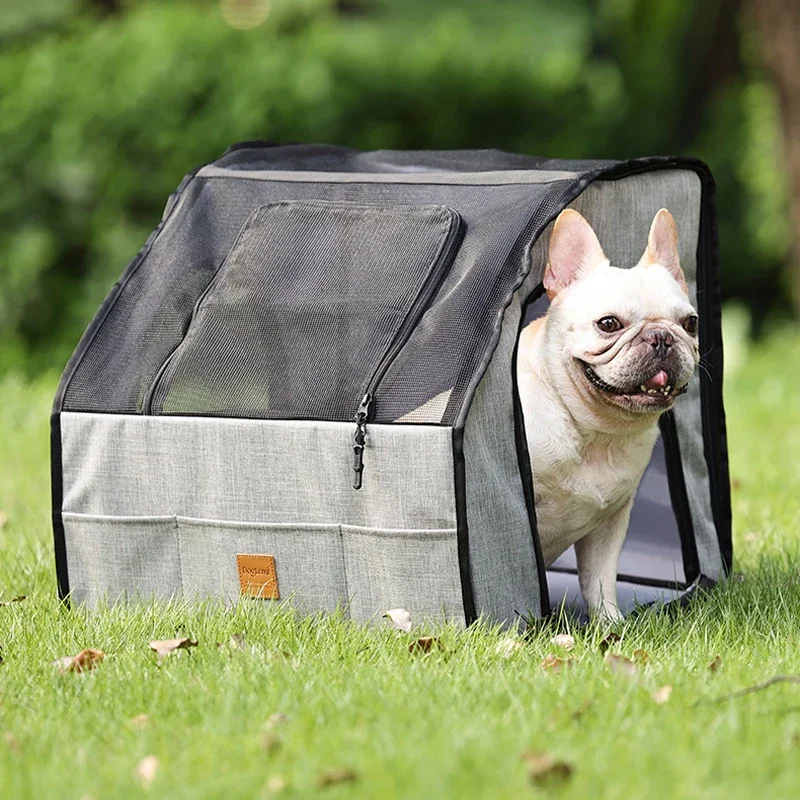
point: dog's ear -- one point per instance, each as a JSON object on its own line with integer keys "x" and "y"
{"x": 662, "y": 247}
{"x": 574, "y": 251}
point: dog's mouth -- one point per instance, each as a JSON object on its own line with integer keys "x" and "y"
{"x": 659, "y": 390}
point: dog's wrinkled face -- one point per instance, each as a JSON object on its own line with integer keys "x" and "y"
{"x": 627, "y": 337}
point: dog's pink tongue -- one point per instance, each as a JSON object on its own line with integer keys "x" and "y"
{"x": 658, "y": 381}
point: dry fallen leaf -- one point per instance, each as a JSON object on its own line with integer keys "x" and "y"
{"x": 660, "y": 696}
{"x": 18, "y": 599}
{"x": 400, "y": 619}
{"x": 641, "y": 657}
{"x": 237, "y": 641}
{"x": 715, "y": 664}
{"x": 507, "y": 647}
{"x": 86, "y": 660}
{"x": 277, "y": 655}
{"x": 423, "y": 645}
{"x": 11, "y": 741}
{"x": 608, "y": 640}
{"x": 553, "y": 663}
{"x": 163, "y": 647}
{"x": 276, "y": 719}
{"x": 139, "y": 721}
{"x": 582, "y": 708}
{"x": 544, "y": 769}
{"x": 270, "y": 742}
{"x": 333, "y": 776}
{"x": 620, "y": 665}
{"x": 276, "y": 783}
{"x": 146, "y": 771}
{"x": 563, "y": 640}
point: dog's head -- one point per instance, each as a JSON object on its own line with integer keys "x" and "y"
{"x": 627, "y": 337}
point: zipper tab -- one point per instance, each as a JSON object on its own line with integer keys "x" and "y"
{"x": 427, "y": 290}
{"x": 359, "y": 438}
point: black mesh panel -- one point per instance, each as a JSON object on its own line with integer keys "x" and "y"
{"x": 119, "y": 358}
{"x": 305, "y": 309}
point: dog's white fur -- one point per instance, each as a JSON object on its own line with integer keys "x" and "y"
{"x": 588, "y": 448}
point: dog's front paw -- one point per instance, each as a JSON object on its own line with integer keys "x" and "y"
{"x": 609, "y": 612}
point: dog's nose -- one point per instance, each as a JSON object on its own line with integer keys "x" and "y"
{"x": 659, "y": 339}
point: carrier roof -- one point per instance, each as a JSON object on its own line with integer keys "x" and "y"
{"x": 502, "y": 202}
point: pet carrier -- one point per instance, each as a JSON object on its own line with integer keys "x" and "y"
{"x": 303, "y": 388}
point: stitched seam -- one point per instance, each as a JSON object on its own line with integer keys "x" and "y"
{"x": 348, "y": 599}
{"x": 180, "y": 560}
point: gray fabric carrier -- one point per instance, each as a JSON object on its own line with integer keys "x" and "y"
{"x": 312, "y": 361}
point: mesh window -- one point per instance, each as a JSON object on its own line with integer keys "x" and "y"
{"x": 306, "y": 309}
{"x": 147, "y": 316}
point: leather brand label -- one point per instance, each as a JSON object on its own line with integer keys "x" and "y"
{"x": 257, "y": 576}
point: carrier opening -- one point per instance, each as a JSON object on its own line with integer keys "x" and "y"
{"x": 658, "y": 563}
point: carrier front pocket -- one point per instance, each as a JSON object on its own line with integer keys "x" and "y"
{"x": 307, "y": 560}
{"x": 306, "y": 313}
{"x": 412, "y": 569}
{"x": 113, "y": 557}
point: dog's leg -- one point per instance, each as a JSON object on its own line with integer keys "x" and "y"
{"x": 598, "y": 556}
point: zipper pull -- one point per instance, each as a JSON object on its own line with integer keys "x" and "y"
{"x": 359, "y": 438}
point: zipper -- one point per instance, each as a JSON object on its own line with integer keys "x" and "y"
{"x": 147, "y": 403}
{"x": 430, "y": 286}
{"x": 360, "y": 438}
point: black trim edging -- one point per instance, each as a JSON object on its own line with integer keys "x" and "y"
{"x": 715, "y": 443}
{"x": 462, "y": 531}
{"x": 524, "y": 463}
{"x": 57, "y": 494}
{"x": 679, "y": 499}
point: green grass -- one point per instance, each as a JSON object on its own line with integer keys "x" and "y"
{"x": 452, "y": 723}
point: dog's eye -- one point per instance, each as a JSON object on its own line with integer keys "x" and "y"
{"x": 609, "y": 324}
{"x": 690, "y": 324}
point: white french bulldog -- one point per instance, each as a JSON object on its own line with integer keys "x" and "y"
{"x": 595, "y": 374}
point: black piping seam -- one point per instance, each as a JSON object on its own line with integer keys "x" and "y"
{"x": 462, "y": 529}
{"x": 524, "y": 464}
{"x": 57, "y": 500}
{"x": 656, "y": 583}
{"x": 195, "y": 414}
{"x": 715, "y": 445}
{"x": 256, "y": 144}
{"x": 679, "y": 499}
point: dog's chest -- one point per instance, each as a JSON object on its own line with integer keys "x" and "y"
{"x": 579, "y": 484}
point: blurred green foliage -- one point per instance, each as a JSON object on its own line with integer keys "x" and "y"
{"x": 102, "y": 113}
